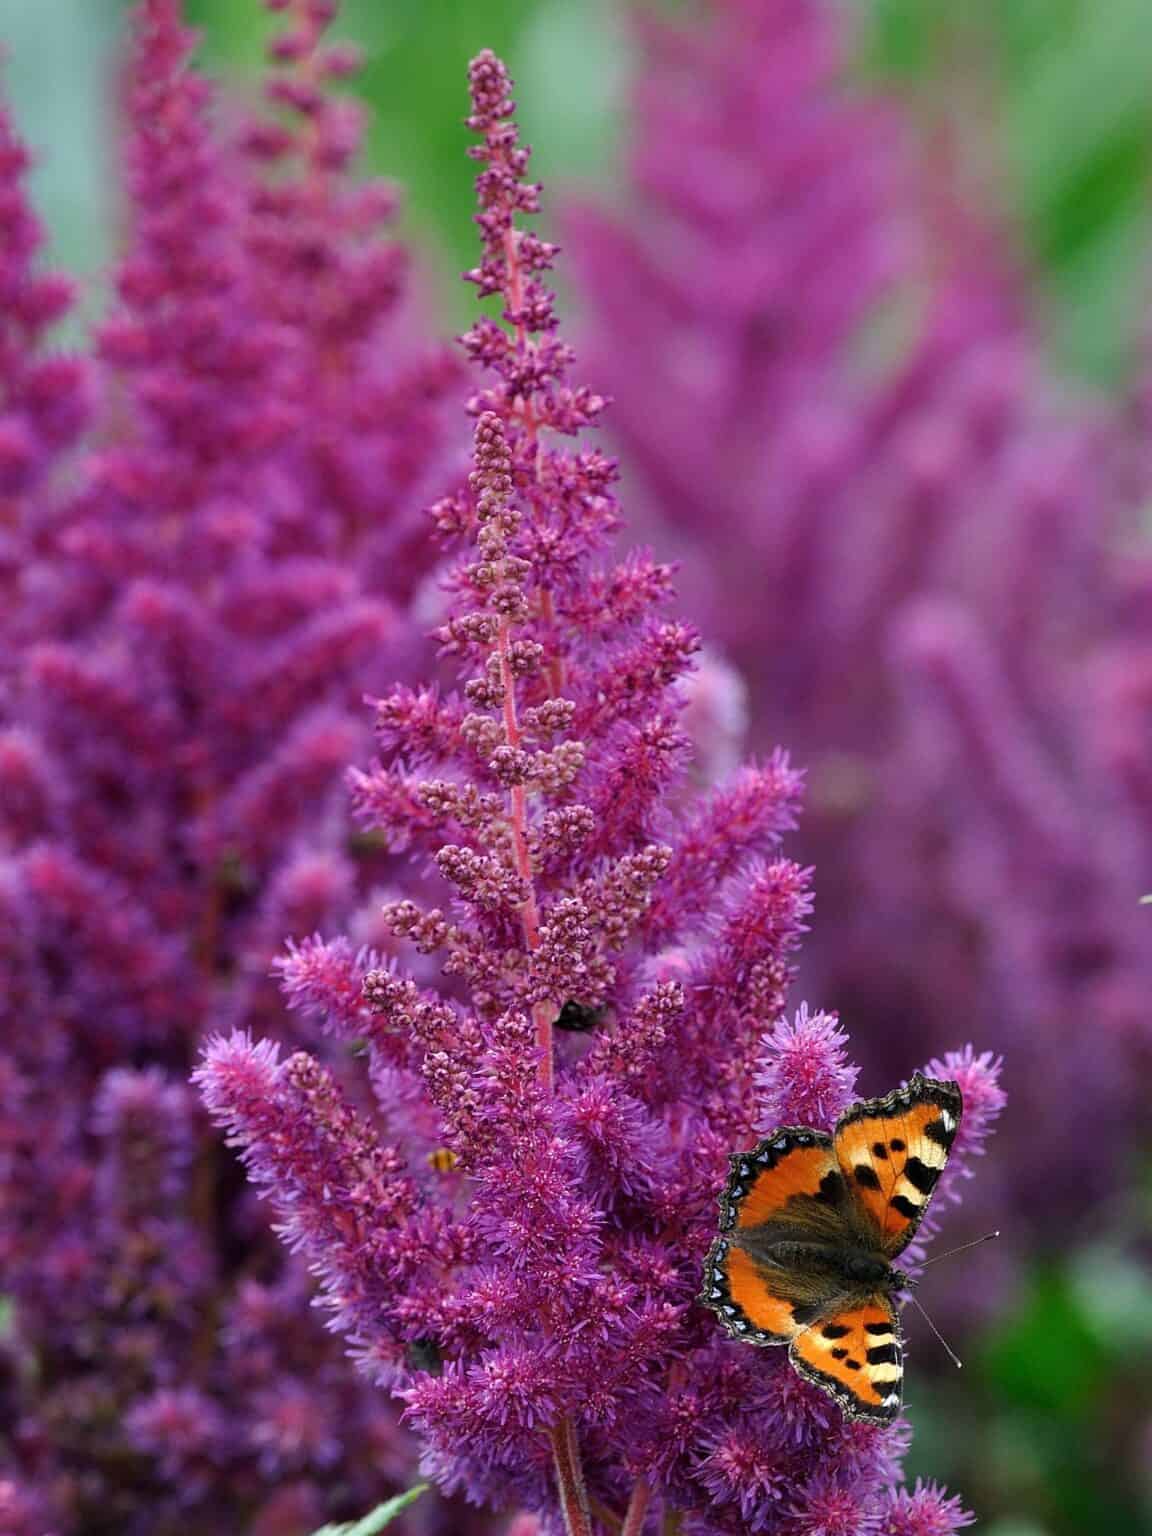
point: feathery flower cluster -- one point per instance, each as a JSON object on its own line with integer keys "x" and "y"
{"x": 510, "y": 1232}
{"x": 191, "y": 615}
{"x": 925, "y": 568}
{"x": 45, "y": 396}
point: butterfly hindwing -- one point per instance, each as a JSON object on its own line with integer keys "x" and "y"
{"x": 891, "y": 1152}
{"x": 745, "y": 1298}
{"x": 856, "y": 1356}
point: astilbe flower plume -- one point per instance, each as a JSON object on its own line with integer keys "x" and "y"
{"x": 529, "y": 1292}
{"x": 46, "y": 397}
{"x": 195, "y": 595}
{"x": 925, "y": 559}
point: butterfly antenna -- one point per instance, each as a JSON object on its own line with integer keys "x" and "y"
{"x": 948, "y": 1350}
{"x": 975, "y": 1243}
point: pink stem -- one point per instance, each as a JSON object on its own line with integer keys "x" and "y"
{"x": 530, "y": 911}
{"x": 518, "y": 819}
{"x": 570, "y": 1479}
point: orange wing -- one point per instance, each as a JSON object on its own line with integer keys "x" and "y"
{"x": 783, "y": 1179}
{"x": 891, "y": 1152}
{"x": 745, "y": 1297}
{"x": 793, "y": 1164}
{"x": 856, "y": 1356}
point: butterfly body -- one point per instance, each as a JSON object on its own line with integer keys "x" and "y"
{"x": 810, "y": 1224}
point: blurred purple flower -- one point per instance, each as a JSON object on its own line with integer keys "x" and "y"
{"x": 45, "y": 394}
{"x": 511, "y": 1236}
{"x": 914, "y": 547}
{"x": 22, "y": 1511}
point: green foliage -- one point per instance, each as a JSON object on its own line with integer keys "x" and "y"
{"x": 1043, "y": 1429}
{"x": 1046, "y": 1358}
{"x": 566, "y": 56}
{"x": 1070, "y": 139}
{"x": 1056, "y": 1365}
{"x": 1053, "y": 90}
{"x": 53, "y": 72}
{"x": 381, "y": 1516}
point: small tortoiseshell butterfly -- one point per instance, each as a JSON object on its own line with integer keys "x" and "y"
{"x": 809, "y": 1226}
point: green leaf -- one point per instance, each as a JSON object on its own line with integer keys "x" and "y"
{"x": 1046, "y": 1357}
{"x": 1011, "y": 1526}
{"x": 1112, "y": 1289}
{"x": 381, "y": 1516}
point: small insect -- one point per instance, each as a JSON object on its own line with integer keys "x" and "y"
{"x": 423, "y": 1354}
{"x": 810, "y": 1224}
{"x": 578, "y": 1017}
{"x": 443, "y": 1160}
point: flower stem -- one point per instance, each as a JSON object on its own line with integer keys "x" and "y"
{"x": 605, "y": 1516}
{"x": 518, "y": 821}
{"x": 529, "y": 912}
{"x": 570, "y": 1479}
{"x": 637, "y": 1509}
{"x": 515, "y": 297}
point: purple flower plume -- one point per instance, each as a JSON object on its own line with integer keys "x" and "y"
{"x": 46, "y": 397}
{"x": 196, "y": 594}
{"x": 806, "y": 1073}
{"x": 589, "y": 1015}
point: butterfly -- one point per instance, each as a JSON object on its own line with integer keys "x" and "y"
{"x": 809, "y": 1226}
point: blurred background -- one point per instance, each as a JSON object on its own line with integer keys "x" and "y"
{"x": 957, "y": 361}
{"x": 1055, "y": 94}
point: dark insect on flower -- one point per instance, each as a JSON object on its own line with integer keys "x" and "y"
{"x": 423, "y": 1354}
{"x": 443, "y": 1160}
{"x": 579, "y": 1018}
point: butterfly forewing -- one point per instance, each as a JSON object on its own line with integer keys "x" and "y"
{"x": 891, "y": 1152}
{"x": 857, "y": 1357}
{"x": 778, "y": 1180}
